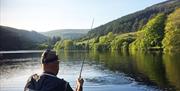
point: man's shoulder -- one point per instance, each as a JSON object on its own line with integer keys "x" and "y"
{"x": 31, "y": 82}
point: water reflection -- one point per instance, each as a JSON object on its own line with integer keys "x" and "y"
{"x": 103, "y": 71}
{"x": 172, "y": 69}
{"x": 150, "y": 68}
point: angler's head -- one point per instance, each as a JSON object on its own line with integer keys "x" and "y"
{"x": 49, "y": 61}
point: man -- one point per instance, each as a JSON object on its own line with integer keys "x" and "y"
{"x": 48, "y": 80}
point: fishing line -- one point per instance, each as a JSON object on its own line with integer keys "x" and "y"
{"x": 85, "y": 55}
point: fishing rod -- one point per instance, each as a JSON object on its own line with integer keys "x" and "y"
{"x": 85, "y": 56}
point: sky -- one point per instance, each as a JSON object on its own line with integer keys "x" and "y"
{"x": 46, "y": 15}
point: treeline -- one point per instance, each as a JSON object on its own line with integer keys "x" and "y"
{"x": 107, "y": 42}
{"x": 160, "y": 32}
{"x": 49, "y": 43}
{"x": 135, "y": 21}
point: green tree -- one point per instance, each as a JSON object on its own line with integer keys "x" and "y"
{"x": 103, "y": 39}
{"x": 171, "y": 41}
{"x": 110, "y": 36}
{"x": 68, "y": 44}
{"x": 151, "y": 35}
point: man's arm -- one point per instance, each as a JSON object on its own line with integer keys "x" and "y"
{"x": 79, "y": 86}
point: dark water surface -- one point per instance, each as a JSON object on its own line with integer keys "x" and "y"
{"x": 103, "y": 71}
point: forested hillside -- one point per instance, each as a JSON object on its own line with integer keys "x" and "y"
{"x": 17, "y": 39}
{"x": 160, "y": 32}
{"x": 135, "y": 21}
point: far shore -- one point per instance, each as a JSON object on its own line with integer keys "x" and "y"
{"x": 21, "y": 51}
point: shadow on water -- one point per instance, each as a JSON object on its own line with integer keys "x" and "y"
{"x": 12, "y": 63}
{"x": 11, "y": 58}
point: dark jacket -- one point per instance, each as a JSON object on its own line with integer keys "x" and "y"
{"x": 46, "y": 82}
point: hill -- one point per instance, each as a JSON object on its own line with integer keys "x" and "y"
{"x": 135, "y": 21}
{"x": 67, "y": 33}
{"x": 18, "y": 39}
{"x": 160, "y": 33}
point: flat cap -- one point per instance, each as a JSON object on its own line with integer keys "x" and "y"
{"x": 48, "y": 56}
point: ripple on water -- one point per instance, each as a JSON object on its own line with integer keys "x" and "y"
{"x": 110, "y": 79}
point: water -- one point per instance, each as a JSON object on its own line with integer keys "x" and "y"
{"x": 103, "y": 71}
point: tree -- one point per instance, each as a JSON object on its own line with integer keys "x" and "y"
{"x": 68, "y": 44}
{"x": 110, "y": 36}
{"x": 103, "y": 39}
{"x": 171, "y": 41}
{"x": 151, "y": 34}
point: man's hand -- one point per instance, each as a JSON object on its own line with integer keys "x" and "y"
{"x": 79, "y": 83}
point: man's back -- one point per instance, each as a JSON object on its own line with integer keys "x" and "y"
{"x": 46, "y": 82}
